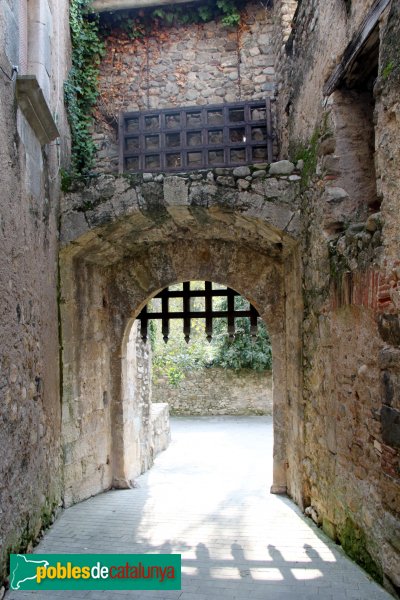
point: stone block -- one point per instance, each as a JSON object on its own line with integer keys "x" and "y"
{"x": 373, "y": 222}
{"x": 389, "y": 328}
{"x": 335, "y": 194}
{"x": 241, "y": 172}
{"x": 243, "y": 184}
{"x": 160, "y": 429}
{"x": 125, "y": 203}
{"x": 102, "y": 215}
{"x": 389, "y": 358}
{"x": 390, "y": 418}
{"x": 283, "y": 167}
{"x": 390, "y": 386}
{"x": 201, "y": 195}
{"x": 175, "y": 191}
{"x": 278, "y": 188}
{"x": 226, "y": 181}
{"x": 32, "y": 102}
{"x": 271, "y": 213}
{"x": 259, "y": 174}
{"x": 73, "y": 225}
{"x": 294, "y": 227}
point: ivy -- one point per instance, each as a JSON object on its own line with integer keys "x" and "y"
{"x": 136, "y": 23}
{"x": 81, "y": 87}
{"x": 308, "y": 153}
{"x": 231, "y": 15}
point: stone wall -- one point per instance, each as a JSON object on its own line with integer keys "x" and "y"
{"x": 137, "y": 415}
{"x": 217, "y": 391}
{"x": 93, "y": 418}
{"x": 268, "y": 193}
{"x": 328, "y": 26}
{"x": 160, "y": 431}
{"x": 30, "y": 416}
{"x": 283, "y": 18}
{"x": 336, "y": 365}
{"x": 349, "y": 142}
{"x": 182, "y": 66}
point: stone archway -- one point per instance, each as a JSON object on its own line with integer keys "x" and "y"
{"x": 262, "y": 285}
{"x": 112, "y": 268}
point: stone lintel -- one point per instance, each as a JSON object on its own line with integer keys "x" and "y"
{"x": 105, "y": 5}
{"x": 35, "y": 108}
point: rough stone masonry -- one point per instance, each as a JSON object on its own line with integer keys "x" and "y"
{"x": 217, "y": 391}
{"x": 312, "y": 241}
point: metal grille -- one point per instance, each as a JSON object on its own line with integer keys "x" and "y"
{"x": 192, "y": 138}
{"x": 187, "y": 313}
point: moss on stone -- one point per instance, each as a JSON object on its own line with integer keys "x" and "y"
{"x": 308, "y": 153}
{"x": 28, "y": 537}
{"x": 388, "y": 69}
{"x": 354, "y": 543}
{"x": 390, "y": 53}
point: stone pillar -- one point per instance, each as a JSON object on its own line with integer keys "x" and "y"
{"x": 130, "y": 426}
{"x": 279, "y": 484}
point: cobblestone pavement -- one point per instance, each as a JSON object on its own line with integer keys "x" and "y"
{"x": 207, "y": 497}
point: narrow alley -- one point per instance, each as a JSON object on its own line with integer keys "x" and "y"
{"x": 207, "y": 498}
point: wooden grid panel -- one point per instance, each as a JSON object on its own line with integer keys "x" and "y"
{"x": 192, "y": 138}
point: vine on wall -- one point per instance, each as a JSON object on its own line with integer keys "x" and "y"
{"x": 137, "y": 23}
{"x": 81, "y": 87}
{"x": 88, "y": 33}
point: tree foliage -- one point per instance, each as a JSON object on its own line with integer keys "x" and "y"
{"x": 176, "y": 359}
{"x": 243, "y": 351}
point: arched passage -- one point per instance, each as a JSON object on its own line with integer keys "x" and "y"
{"x": 132, "y": 442}
{"x": 126, "y": 245}
{"x": 111, "y": 298}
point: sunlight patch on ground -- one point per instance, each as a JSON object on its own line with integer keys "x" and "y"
{"x": 302, "y": 574}
{"x": 266, "y": 574}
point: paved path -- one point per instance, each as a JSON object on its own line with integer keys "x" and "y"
{"x": 207, "y": 498}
